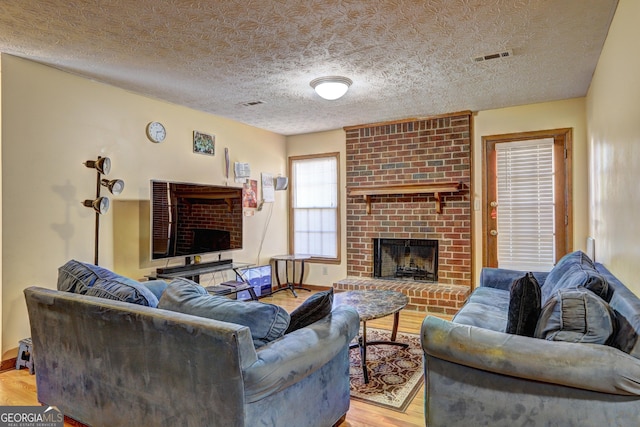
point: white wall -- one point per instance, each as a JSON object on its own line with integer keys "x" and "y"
{"x": 54, "y": 121}
{"x": 613, "y": 115}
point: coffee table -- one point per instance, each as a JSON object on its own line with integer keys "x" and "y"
{"x": 373, "y": 304}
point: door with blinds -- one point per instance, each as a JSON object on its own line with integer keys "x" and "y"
{"x": 527, "y": 213}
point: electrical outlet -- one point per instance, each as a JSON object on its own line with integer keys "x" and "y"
{"x": 325, "y": 271}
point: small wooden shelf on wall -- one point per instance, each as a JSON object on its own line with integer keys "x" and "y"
{"x": 434, "y": 188}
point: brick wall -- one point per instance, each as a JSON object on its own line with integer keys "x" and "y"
{"x": 407, "y": 152}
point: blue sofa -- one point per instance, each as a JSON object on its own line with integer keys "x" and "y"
{"x": 581, "y": 367}
{"x": 106, "y": 355}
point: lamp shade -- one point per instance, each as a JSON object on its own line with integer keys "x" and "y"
{"x": 102, "y": 165}
{"x": 100, "y": 205}
{"x": 115, "y": 186}
{"x": 332, "y": 87}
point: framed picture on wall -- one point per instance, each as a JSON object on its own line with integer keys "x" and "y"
{"x": 203, "y": 143}
{"x": 250, "y": 194}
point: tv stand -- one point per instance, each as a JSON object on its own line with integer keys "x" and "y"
{"x": 193, "y": 272}
{"x": 190, "y": 268}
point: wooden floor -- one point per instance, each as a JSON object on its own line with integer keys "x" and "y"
{"x": 18, "y": 387}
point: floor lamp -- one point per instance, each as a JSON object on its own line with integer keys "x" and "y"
{"x": 101, "y": 204}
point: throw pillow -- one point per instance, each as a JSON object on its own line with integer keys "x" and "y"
{"x": 575, "y": 270}
{"x": 157, "y": 287}
{"x": 77, "y": 277}
{"x": 576, "y": 315}
{"x": 524, "y": 306}
{"x": 313, "y": 309}
{"x": 123, "y": 289}
{"x": 267, "y": 322}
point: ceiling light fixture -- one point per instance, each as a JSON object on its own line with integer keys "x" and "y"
{"x": 332, "y": 87}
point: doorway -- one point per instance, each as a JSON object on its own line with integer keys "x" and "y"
{"x": 529, "y": 174}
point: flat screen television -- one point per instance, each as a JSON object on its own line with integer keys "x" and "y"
{"x": 190, "y": 219}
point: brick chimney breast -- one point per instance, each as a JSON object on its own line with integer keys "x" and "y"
{"x": 421, "y": 151}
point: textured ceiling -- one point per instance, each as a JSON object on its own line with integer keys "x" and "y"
{"x": 407, "y": 58}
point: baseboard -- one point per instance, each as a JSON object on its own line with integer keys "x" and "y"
{"x": 317, "y": 287}
{"x": 8, "y": 364}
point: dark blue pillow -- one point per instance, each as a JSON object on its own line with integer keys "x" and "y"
{"x": 310, "y": 311}
{"x": 123, "y": 289}
{"x": 77, "y": 277}
{"x": 524, "y": 306}
{"x": 575, "y": 270}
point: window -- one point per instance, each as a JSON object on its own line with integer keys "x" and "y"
{"x": 525, "y": 208}
{"x": 315, "y": 215}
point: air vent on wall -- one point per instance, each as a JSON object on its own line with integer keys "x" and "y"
{"x": 251, "y": 103}
{"x": 505, "y": 54}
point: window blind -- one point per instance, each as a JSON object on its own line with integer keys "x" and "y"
{"x": 315, "y": 206}
{"x": 525, "y": 210}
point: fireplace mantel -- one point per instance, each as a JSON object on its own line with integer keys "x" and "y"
{"x": 434, "y": 188}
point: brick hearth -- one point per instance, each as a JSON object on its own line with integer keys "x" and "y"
{"x": 424, "y": 297}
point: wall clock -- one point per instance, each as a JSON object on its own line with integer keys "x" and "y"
{"x": 156, "y": 132}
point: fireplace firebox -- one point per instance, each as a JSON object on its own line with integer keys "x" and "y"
{"x": 405, "y": 259}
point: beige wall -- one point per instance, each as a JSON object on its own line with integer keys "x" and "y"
{"x": 51, "y": 123}
{"x": 549, "y": 115}
{"x": 318, "y": 143}
{"x": 613, "y": 115}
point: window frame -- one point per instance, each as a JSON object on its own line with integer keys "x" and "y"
{"x": 292, "y": 184}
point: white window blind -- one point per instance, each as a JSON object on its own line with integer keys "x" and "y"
{"x": 315, "y": 206}
{"x": 525, "y": 211}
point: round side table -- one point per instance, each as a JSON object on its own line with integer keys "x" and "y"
{"x": 290, "y": 282}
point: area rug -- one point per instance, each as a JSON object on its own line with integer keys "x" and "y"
{"x": 395, "y": 373}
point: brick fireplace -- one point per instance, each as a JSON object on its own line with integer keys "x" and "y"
{"x": 410, "y": 180}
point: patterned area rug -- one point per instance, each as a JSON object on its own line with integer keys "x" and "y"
{"x": 395, "y": 373}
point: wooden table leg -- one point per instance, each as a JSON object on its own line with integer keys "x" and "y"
{"x": 276, "y": 262}
{"x": 362, "y": 341}
{"x": 292, "y": 283}
{"x": 394, "y": 331}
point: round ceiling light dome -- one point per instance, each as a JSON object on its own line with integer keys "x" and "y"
{"x": 331, "y": 87}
